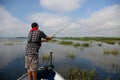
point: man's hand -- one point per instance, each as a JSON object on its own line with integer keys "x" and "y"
{"x": 49, "y": 38}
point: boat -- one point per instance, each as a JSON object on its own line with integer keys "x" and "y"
{"x": 45, "y": 72}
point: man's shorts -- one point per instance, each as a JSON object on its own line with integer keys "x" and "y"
{"x": 31, "y": 62}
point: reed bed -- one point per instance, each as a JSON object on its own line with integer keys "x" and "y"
{"x": 45, "y": 57}
{"x": 54, "y": 40}
{"x": 99, "y": 44}
{"x": 85, "y": 44}
{"x": 81, "y": 74}
{"x": 9, "y": 44}
{"x": 109, "y": 42}
{"x": 113, "y": 52}
{"x": 66, "y": 43}
{"x": 76, "y": 44}
{"x": 70, "y": 56}
{"x": 119, "y": 43}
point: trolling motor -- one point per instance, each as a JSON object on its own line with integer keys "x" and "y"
{"x": 46, "y": 72}
{"x": 49, "y": 65}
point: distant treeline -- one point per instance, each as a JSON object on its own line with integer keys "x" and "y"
{"x": 90, "y": 38}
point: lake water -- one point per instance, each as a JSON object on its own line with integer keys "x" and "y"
{"x": 12, "y": 52}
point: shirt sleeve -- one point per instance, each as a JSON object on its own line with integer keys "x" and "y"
{"x": 43, "y": 35}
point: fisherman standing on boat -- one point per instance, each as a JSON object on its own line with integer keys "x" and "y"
{"x": 32, "y": 50}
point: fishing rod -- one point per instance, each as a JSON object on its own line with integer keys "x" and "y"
{"x": 61, "y": 29}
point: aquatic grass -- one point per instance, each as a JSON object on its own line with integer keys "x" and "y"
{"x": 9, "y": 44}
{"x": 66, "y": 42}
{"x": 119, "y": 43}
{"x": 45, "y": 57}
{"x": 85, "y": 44}
{"x": 108, "y": 78}
{"x": 109, "y": 41}
{"x": 115, "y": 66}
{"x": 75, "y": 73}
{"x": 76, "y": 44}
{"x": 113, "y": 52}
{"x": 54, "y": 40}
{"x": 99, "y": 44}
{"x": 70, "y": 56}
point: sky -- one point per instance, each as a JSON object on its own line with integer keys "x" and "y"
{"x": 82, "y": 18}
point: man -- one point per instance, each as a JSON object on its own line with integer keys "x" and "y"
{"x": 34, "y": 43}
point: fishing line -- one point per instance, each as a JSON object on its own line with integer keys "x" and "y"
{"x": 61, "y": 30}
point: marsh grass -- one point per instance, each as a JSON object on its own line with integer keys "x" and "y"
{"x": 109, "y": 41}
{"x": 54, "y": 40}
{"x": 119, "y": 43}
{"x": 66, "y": 42}
{"x": 81, "y": 74}
{"x": 85, "y": 44}
{"x": 99, "y": 44}
{"x": 76, "y": 44}
{"x": 113, "y": 52}
{"x": 45, "y": 57}
{"x": 70, "y": 56}
{"x": 115, "y": 66}
{"x": 9, "y": 44}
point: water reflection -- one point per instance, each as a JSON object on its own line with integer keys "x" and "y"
{"x": 94, "y": 55}
{"x": 70, "y": 56}
{"x": 113, "y": 52}
{"x": 10, "y": 50}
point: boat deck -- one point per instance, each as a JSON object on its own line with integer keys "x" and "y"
{"x": 44, "y": 74}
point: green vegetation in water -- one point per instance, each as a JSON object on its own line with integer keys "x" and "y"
{"x": 45, "y": 57}
{"x": 113, "y": 52}
{"x": 115, "y": 66}
{"x": 76, "y": 44}
{"x": 81, "y": 74}
{"x": 85, "y": 44}
{"x": 119, "y": 43}
{"x": 91, "y": 38}
{"x": 66, "y": 42}
{"x": 54, "y": 40}
{"x": 70, "y": 56}
{"x": 99, "y": 44}
{"x": 109, "y": 42}
{"x": 9, "y": 44}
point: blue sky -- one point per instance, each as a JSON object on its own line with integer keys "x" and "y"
{"x": 86, "y": 17}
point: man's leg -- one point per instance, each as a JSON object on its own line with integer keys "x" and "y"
{"x": 34, "y": 75}
{"x": 29, "y": 75}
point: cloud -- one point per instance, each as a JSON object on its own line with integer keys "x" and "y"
{"x": 10, "y": 26}
{"x": 61, "y": 5}
{"x": 50, "y": 23}
{"x": 105, "y": 22}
